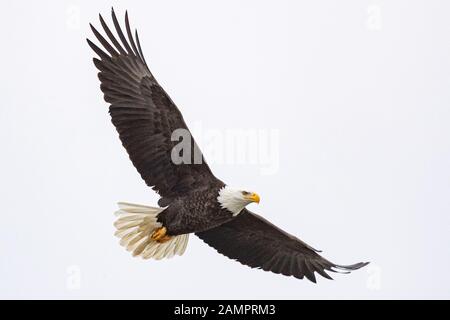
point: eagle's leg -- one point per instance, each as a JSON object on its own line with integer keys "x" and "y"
{"x": 160, "y": 235}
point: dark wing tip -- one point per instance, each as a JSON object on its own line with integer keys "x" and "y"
{"x": 97, "y": 50}
{"x": 321, "y": 270}
{"x": 102, "y": 21}
{"x": 341, "y": 269}
{"x": 352, "y": 267}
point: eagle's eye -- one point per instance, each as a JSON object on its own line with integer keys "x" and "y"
{"x": 245, "y": 193}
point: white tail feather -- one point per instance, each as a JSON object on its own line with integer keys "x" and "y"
{"x": 135, "y": 225}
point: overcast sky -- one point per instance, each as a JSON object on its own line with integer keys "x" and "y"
{"x": 344, "y": 107}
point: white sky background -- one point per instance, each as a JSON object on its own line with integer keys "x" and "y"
{"x": 359, "y": 92}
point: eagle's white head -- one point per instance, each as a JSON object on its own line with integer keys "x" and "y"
{"x": 235, "y": 200}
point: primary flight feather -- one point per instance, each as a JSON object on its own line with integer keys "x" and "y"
{"x": 192, "y": 200}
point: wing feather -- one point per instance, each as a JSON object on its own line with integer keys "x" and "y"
{"x": 111, "y": 36}
{"x": 120, "y": 33}
{"x": 143, "y": 114}
{"x": 255, "y": 242}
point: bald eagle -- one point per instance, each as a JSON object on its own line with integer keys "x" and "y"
{"x": 192, "y": 199}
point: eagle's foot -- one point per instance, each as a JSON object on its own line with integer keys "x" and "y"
{"x": 160, "y": 235}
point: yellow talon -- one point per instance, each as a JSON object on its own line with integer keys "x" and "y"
{"x": 160, "y": 235}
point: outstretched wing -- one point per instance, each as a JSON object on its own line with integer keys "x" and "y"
{"x": 144, "y": 115}
{"x": 255, "y": 242}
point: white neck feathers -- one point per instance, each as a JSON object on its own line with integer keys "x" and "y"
{"x": 231, "y": 200}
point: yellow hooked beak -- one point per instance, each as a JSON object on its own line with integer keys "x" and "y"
{"x": 253, "y": 197}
